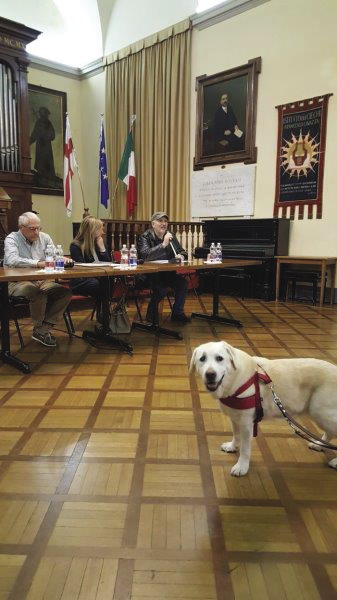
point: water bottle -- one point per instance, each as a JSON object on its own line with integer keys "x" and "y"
{"x": 218, "y": 252}
{"x": 212, "y": 252}
{"x": 59, "y": 258}
{"x": 124, "y": 255}
{"x": 49, "y": 259}
{"x": 133, "y": 256}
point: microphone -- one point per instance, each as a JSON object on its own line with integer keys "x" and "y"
{"x": 171, "y": 244}
{"x": 176, "y": 257}
{"x": 173, "y": 248}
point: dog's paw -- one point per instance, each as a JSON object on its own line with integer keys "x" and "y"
{"x": 313, "y": 446}
{"x": 333, "y": 463}
{"x": 228, "y": 447}
{"x": 239, "y": 469}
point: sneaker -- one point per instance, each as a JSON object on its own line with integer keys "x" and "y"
{"x": 45, "y": 338}
{"x": 180, "y": 318}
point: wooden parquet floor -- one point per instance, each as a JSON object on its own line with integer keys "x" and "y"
{"x": 113, "y": 485}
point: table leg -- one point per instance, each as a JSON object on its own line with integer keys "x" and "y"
{"x": 154, "y": 327}
{"x": 6, "y": 355}
{"x": 321, "y": 292}
{"x": 215, "y": 314}
{"x": 103, "y": 333}
{"x": 278, "y": 269}
{"x": 332, "y": 282}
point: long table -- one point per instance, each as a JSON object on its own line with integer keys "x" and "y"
{"x": 104, "y": 272}
{"x": 202, "y": 265}
{"x": 8, "y": 275}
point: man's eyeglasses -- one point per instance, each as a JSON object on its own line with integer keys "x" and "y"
{"x": 38, "y": 228}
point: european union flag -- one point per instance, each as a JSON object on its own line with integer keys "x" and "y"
{"x": 103, "y": 171}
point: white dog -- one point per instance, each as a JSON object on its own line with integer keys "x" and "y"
{"x": 302, "y": 384}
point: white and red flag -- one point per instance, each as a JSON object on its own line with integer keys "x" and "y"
{"x": 69, "y": 165}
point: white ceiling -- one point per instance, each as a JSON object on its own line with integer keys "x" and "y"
{"x": 71, "y": 29}
{"x": 78, "y": 32}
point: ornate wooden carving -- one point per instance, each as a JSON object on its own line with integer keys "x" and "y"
{"x": 16, "y": 179}
{"x": 5, "y": 205}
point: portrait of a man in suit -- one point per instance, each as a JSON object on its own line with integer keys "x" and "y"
{"x": 226, "y": 130}
{"x": 224, "y": 117}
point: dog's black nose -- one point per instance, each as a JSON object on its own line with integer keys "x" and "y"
{"x": 210, "y": 376}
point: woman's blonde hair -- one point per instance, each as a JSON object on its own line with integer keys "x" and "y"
{"x": 85, "y": 237}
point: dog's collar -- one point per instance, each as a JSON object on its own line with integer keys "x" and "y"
{"x": 253, "y": 401}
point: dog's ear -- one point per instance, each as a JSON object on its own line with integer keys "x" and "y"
{"x": 230, "y": 350}
{"x": 193, "y": 357}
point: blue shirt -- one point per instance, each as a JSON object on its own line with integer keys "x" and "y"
{"x": 19, "y": 252}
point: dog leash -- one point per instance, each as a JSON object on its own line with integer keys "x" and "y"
{"x": 299, "y": 429}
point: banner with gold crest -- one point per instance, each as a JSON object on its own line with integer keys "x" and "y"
{"x": 300, "y": 157}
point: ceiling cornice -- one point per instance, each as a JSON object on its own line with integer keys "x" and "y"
{"x": 224, "y": 11}
{"x": 49, "y": 66}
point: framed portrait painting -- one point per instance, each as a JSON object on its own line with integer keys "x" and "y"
{"x": 47, "y": 114}
{"x": 226, "y": 116}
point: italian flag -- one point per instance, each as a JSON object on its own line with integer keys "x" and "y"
{"x": 127, "y": 173}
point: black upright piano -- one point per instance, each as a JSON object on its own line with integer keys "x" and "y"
{"x": 261, "y": 239}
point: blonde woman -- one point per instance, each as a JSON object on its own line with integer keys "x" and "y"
{"x": 87, "y": 247}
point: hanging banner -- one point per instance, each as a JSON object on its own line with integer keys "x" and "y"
{"x": 300, "y": 156}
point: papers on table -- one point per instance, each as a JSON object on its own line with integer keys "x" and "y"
{"x": 164, "y": 262}
{"x": 160, "y": 262}
{"x": 212, "y": 262}
{"x": 97, "y": 264}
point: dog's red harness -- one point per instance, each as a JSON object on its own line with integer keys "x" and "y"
{"x": 253, "y": 401}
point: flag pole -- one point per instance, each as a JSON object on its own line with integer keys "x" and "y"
{"x": 131, "y": 122}
{"x": 86, "y": 210}
{"x": 113, "y": 197}
{"x": 99, "y": 179}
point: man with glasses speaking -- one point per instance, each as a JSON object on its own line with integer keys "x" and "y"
{"x": 47, "y": 299}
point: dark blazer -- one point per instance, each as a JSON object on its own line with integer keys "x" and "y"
{"x": 150, "y": 247}
{"x": 78, "y": 256}
{"x": 223, "y": 121}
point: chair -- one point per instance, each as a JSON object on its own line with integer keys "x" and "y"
{"x": 241, "y": 277}
{"x": 188, "y": 274}
{"x": 17, "y": 301}
{"x": 234, "y": 281}
{"x": 136, "y": 287}
{"x": 295, "y": 276}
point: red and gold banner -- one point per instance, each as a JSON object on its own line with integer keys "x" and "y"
{"x": 300, "y": 156}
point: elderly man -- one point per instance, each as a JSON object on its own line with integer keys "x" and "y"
{"x": 47, "y": 299}
{"x": 157, "y": 243}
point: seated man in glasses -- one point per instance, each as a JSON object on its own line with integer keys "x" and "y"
{"x": 157, "y": 243}
{"x": 47, "y": 299}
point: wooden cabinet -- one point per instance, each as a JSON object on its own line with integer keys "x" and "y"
{"x": 15, "y": 171}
